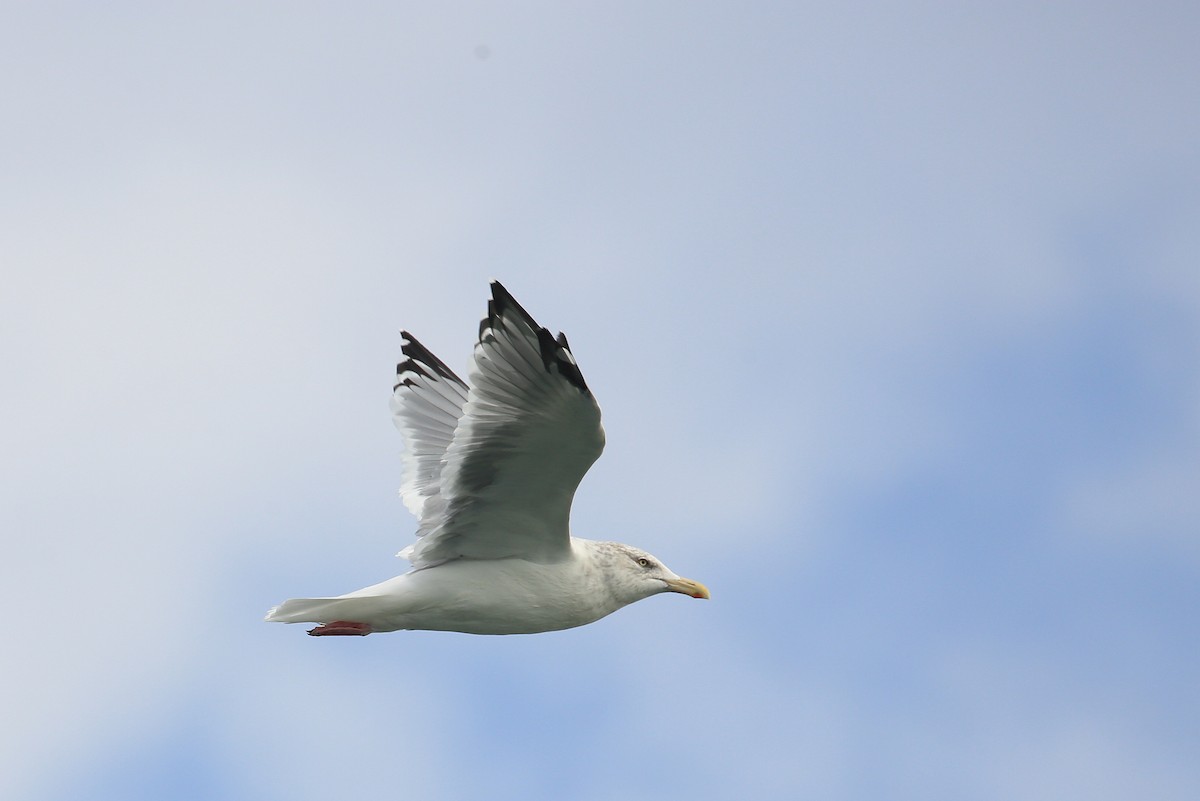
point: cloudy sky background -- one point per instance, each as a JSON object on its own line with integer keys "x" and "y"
{"x": 893, "y": 312}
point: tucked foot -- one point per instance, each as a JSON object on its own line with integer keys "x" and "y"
{"x": 342, "y": 628}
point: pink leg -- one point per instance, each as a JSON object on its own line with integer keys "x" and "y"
{"x": 341, "y": 628}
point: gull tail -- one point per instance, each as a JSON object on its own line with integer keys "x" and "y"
{"x": 320, "y": 610}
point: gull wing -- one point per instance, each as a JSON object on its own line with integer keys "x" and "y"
{"x": 526, "y": 435}
{"x": 427, "y": 402}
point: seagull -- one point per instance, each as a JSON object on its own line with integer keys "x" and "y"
{"x": 490, "y": 469}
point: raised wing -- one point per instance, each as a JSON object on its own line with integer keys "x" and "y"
{"x": 427, "y": 402}
{"x": 529, "y": 431}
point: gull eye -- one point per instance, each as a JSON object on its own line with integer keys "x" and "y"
{"x": 644, "y": 562}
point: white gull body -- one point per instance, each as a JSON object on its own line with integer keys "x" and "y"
{"x": 491, "y": 469}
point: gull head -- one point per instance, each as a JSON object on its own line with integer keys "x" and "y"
{"x": 634, "y": 574}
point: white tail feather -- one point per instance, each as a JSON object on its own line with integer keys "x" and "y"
{"x": 322, "y": 610}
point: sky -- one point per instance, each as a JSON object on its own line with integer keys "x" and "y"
{"x": 893, "y": 312}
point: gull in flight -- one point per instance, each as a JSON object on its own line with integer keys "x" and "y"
{"x": 490, "y": 469}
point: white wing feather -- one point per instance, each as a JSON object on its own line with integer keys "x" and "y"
{"x": 427, "y": 403}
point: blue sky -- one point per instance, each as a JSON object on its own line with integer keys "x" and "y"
{"x": 893, "y": 312}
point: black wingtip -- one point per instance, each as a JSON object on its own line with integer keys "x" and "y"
{"x": 503, "y": 303}
{"x": 502, "y": 300}
{"x": 420, "y": 358}
{"x": 552, "y": 354}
